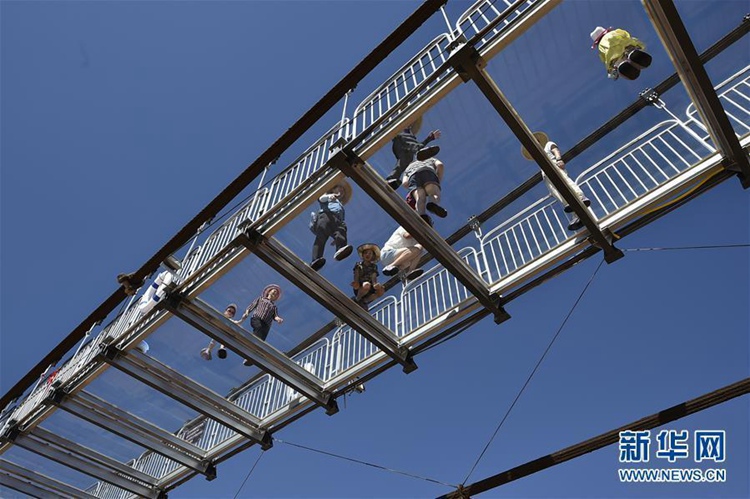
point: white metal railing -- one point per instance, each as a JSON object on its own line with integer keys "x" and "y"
{"x": 524, "y": 238}
{"x": 641, "y": 165}
{"x": 734, "y": 95}
{"x": 400, "y": 85}
{"x": 482, "y": 13}
{"x": 436, "y": 292}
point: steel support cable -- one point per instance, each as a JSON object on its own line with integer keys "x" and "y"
{"x": 304, "y": 123}
{"x": 248, "y": 475}
{"x": 365, "y": 463}
{"x": 671, "y": 248}
{"x": 661, "y": 418}
{"x": 533, "y": 371}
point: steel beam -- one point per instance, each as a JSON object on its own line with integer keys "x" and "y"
{"x": 203, "y": 317}
{"x": 685, "y": 58}
{"x": 375, "y": 187}
{"x": 89, "y": 462}
{"x": 186, "y": 391}
{"x": 470, "y": 65}
{"x": 130, "y": 427}
{"x": 35, "y": 484}
{"x": 301, "y": 275}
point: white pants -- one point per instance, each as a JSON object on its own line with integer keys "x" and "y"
{"x": 573, "y": 187}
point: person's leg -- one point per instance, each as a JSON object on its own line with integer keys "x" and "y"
{"x": 420, "y": 198}
{"x": 343, "y": 249}
{"x": 433, "y": 202}
{"x": 260, "y": 328}
{"x": 363, "y": 290}
{"x": 322, "y": 232}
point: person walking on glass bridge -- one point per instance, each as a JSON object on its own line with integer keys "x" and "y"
{"x": 229, "y": 313}
{"x": 401, "y": 253}
{"x": 555, "y": 156}
{"x": 406, "y": 147}
{"x": 328, "y": 221}
{"x": 422, "y": 179}
{"x": 365, "y": 284}
{"x": 264, "y": 313}
{"x": 621, "y": 54}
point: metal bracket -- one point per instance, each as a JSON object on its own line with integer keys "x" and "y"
{"x": 475, "y": 225}
{"x": 649, "y": 95}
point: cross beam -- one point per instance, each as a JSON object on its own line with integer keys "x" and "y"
{"x": 87, "y": 461}
{"x": 375, "y": 187}
{"x": 203, "y": 317}
{"x": 35, "y": 484}
{"x": 130, "y": 427}
{"x": 684, "y": 56}
{"x": 284, "y": 261}
{"x": 186, "y": 391}
{"x": 470, "y": 65}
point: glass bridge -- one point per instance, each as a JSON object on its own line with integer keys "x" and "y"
{"x": 698, "y": 136}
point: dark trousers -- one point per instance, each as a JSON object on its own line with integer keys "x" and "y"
{"x": 405, "y": 147}
{"x": 328, "y": 226}
{"x": 260, "y": 328}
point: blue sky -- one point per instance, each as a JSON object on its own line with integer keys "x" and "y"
{"x": 121, "y": 120}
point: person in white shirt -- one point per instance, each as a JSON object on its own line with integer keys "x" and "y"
{"x": 401, "y": 253}
{"x": 555, "y": 156}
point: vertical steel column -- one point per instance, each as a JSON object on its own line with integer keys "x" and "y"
{"x": 470, "y": 66}
{"x": 684, "y": 56}
{"x": 375, "y": 187}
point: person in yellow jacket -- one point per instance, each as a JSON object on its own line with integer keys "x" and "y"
{"x": 622, "y": 54}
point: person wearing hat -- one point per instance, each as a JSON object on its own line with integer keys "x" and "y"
{"x": 365, "y": 283}
{"x": 229, "y": 313}
{"x": 555, "y": 156}
{"x": 621, "y": 53}
{"x": 407, "y": 148}
{"x": 329, "y": 222}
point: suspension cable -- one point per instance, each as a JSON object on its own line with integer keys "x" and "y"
{"x": 365, "y": 463}
{"x": 248, "y": 475}
{"x": 533, "y": 371}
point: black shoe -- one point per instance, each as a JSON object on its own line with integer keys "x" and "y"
{"x": 343, "y": 253}
{"x": 414, "y": 274}
{"x": 248, "y": 362}
{"x": 575, "y": 225}
{"x": 390, "y": 271}
{"x": 438, "y": 210}
{"x": 393, "y": 182}
{"x": 318, "y": 263}
{"x": 427, "y": 218}
{"x": 640, "y": 59}
{"x": 586, "y": 202}
{"x": 427, "y": 152}
{"x": 222, "y": 353}
{"x": 628, "y": 70}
